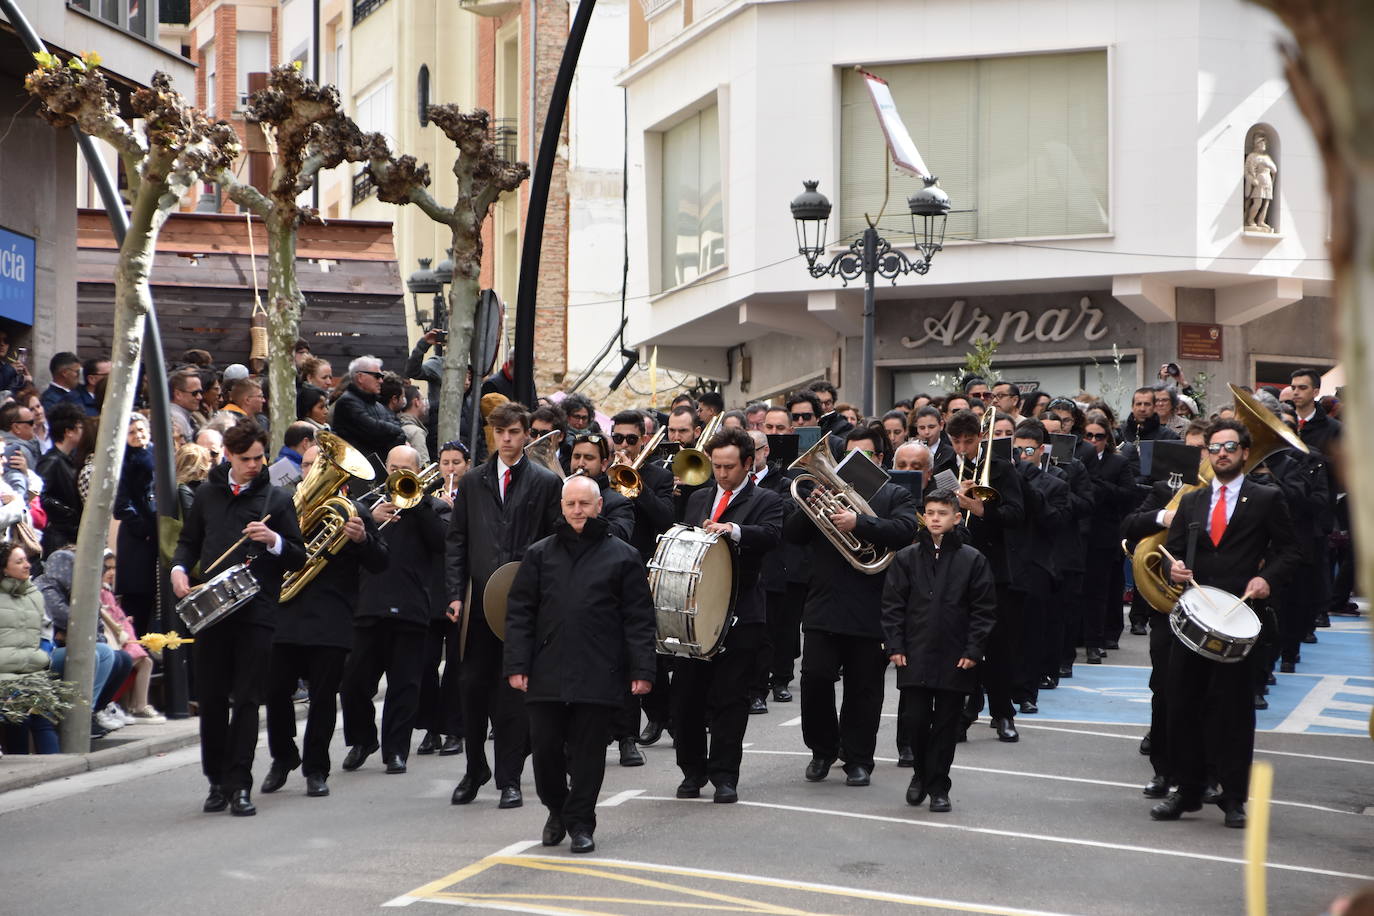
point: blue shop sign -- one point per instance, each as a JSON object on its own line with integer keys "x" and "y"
{"x": 17, "y": 268}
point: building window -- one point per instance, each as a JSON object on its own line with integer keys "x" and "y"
{"x": 254, "y": 56}
{"x": 692, "y": 231}
{"x": 374, "y": 110}
{"x": 1021, "y": 141}
{"x": 208, "y": 64}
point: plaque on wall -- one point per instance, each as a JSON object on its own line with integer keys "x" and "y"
{"x": 1199, "y": 341}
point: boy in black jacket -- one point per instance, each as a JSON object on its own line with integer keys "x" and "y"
{"x": 939, "y": 606}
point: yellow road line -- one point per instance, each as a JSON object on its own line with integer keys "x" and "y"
{"x": 629, "y": 900}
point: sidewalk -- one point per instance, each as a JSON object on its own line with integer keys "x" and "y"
{"x": 132, "y": 742}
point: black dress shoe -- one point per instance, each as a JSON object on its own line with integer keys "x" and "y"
{"x": 216, "y": 800}
{"x": 1310, "y": 638}
{"x": 1006, "y": 731}
{"x": 451, "y": 746}
{"x": 1323, "y": 620}
{"x": 915, "y": 791}
{"x": 511, "y": 797}
{"x": 1348, "y": 610}
{"x": 316, "y": 785}
{"x": 1145, "y": 745}
{"x": 1211, "y": 795}
{"x": 855, "y": 775}
{"x": 1029, "y": 708}
{"x": 241, "y": 804}
{"x": 961, "y": 736}
{"x": 940, "y": 804}
{"x": 1287, "y": 668}
{"x": 1235, "y": 814}
{"x": 554, "y": 831}
{"x": 905, "y": 758}
{"x": 757, "y": 706}
{"x": 1113, "y": 645}
{"x": 357, "y": 755}
{"x": 652, "y": 732}
{"x": 1157, "y": 787}
{"x": 690, "y": 787}
{"x": 1173, "y": 807}
{"x": 630, "y": 755}
{"x": 1065, "y": 672}
{"x": 1094, "y": 657}
{"x": 1270, "y": 680}
{"x": 725, "y": 794}
{"x": 1261, "y": 702}
{"x": 1138, "y": 629}
{"x": 467, "y": 787}
{"x": 582, "y": 842}
{"x": 430, "y": 744}
{"x": 818, "y": 768}
{"x": 1048, "y": 683}
{"x": 276, "y": 777}
{"x": 395, "y": 764}
{"x": 782, "y": 695}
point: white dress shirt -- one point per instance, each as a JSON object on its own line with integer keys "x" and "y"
{"x": 734, "y": 495}
{"x": 1232, "y": 495}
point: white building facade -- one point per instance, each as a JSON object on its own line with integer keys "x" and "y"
{"x": 1098, "y": 148}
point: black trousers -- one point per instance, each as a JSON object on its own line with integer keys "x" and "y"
{"x": 488, "y": 696}
{"x": 1163, "y": 644}
{"x": 1036, "y": 608}
{"x": 776, "y": 647}
{"x": 715, "y": 694}
{"x": 1103, "y": 586}
{"x": 784, "y": 632}
{"x": 441, "y": 708}
{"x": 1342, "y": 568}
{"x": 658, "y": 702}
{"x": 932, "y": 720}
{"x": 860, "y": 660}
{"x": 231, "y": 675}
{"x": 322, "y": 668}
{"x": 1211, "y": 724}
{"x": 1063, "y": 623}
{"x": 624, "y": 723}
{"x": 393, "y": 648}
{"x": 1001, "y": 659}
{"x": 569, "y": 745}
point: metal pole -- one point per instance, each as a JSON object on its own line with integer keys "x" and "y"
{"x": 870, "y": 270}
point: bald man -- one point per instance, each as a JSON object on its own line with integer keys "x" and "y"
{"x": 395, "y": 606}
{"x": 582, "y": 598}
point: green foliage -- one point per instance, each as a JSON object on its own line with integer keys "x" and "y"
{"x": 41, "y": 693}
{"x": 978, "y": 363}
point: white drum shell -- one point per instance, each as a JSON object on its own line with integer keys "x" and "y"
{"x": 691, "y": 578}
{"x": 218, "y": 598}
{"x": 1215, "y": 624}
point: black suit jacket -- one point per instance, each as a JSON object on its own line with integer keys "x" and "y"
{"x": 758, "y": 512}
{"x": 322, "y": 614}
{"x": 1258, "y": 539}
{"x": 994, "y": 533}
{"x": 653, "y": 508}
{"x": 1114, "y": 494}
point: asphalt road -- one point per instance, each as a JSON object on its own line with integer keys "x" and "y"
{"x": 1055, "y": 824}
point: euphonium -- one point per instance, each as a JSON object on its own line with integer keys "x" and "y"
{"x": 692, "y": 466}
{"x": 625, "y": 478}
{"x": 830, "y": 494}
{"x": 322, "y": 512}
{"x": 1268, "y": 435}
{"x": 544, "y": 452}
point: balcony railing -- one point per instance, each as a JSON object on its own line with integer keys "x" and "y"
{"x": 505, "y": 134}
{"x": 363, "y": 187}
{"x": 364, "y": 8}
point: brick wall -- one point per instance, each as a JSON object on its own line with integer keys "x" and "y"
{"x": 551, "y": 297}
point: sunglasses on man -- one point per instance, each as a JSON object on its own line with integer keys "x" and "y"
{"x": 1230, "y": 447}
{"x": 625, "y": 438}
{"x": 1095, "y": 437}
{"x": 798, "y": 417}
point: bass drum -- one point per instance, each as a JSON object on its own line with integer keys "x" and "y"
{"x": 1215, "y": 624}
{"x": 692, "y": 578}
{"x": 221, "y": 596}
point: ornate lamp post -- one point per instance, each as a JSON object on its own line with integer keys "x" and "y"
{"x": 870, "y": 255}
{"x": 426, "y": 281}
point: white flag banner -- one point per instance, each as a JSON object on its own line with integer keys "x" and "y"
{"x": 905, "y": 156}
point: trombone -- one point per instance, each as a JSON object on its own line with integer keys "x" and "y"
{"x": 692, "y": 466}
{"x": 406, "y": 489}
{"x": 982, "y": 489}
{"x": 625, "y": 478}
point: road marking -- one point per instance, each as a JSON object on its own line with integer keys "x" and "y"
{"x": 1057, "y": 778}
{"x": 620, "y": 798}
{"x": 1020, "y": 835}
{"x": 1321, "y": 697}
{"x": 618, "y": 870}
{"x": 461, "y": 874}
{"x": 1258, "y": 750}
{"x": 790, "y": 723}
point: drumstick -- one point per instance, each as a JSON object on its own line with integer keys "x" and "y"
{"x": 232, "y": 547}
{"x": 1191, "y": 581}
{"x": 1243, "y": 598}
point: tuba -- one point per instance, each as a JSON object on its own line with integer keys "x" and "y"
{"x": 322, "y": 511}
{"x": 625, "y": 478}
{"x": 829, "y": 494}
{"x": 544, "y": 452}
{"x": 1268, "y": 435}
{"x": 692, "y": 466}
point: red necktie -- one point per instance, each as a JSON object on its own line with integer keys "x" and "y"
{"x": 720, "y": 506}
{"x": 1219, "y": 518}
{"x": 236, "y": 487}
{"x": 505, "y": 485}
{"x": 1301, "y": 424}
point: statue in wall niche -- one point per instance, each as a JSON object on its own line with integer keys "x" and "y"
{"x": 1260, "y": 172}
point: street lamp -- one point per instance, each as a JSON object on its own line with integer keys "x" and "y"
{"x": 870, "y": 255}
{"x": 426, "y": 281}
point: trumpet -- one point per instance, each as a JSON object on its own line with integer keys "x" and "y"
{"x": 982, "y": 489}
{"x": 831, "y": 494}
{"x": 692, "y": 466}
{"x": 625, "y": 478}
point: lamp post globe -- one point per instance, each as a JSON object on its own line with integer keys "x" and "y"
{"x": 811, "y": 211}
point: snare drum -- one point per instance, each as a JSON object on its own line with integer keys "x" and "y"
{"x": 1215, "y": 624}
{"x": 692, "y": 578}
{"x": 218, "y": 598}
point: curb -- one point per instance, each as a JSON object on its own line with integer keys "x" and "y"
{"x": 32, "y": 774}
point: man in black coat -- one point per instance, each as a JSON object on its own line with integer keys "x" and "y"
{"x": 842, "y": 625}
{"x": 1065, "y": 620}
{"x": 1321, "y": 434}
{"x": 777, "y": 657}
{"x": 360, "y": 419}
{"x": 1246, "y": 548}
{"x": 939, "y": 608}
{"x": 500, "y": 509}
{"x": 392, "y": 620}
{"x": 1143, "y": 425}
{"x": 231, "y": 655}
{"x": 785, "y": 615}
{"x": 579, "y": 633}
{"x": 314, "y": 633}
{"x": 654, "y": 510}
{"x": 441, "y": 708}
{"x": 61, "y": 498}
{"x": 715, "y": 693}
{"x": 991, "y": 529}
